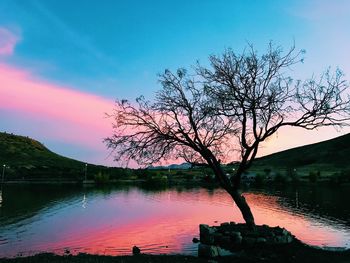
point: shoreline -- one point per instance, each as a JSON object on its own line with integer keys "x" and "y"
{"x": 136, "y": 182}
{"x": 173, "y": 182}
{"x": 293, "y": 253}
{"x": 72, "y": 182}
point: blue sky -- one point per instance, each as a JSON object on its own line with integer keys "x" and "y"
{"x": 109, "y": 49}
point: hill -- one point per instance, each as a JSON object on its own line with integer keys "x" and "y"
{"x": 28, "y": 159}
{"x": 333, "y": 153}
{"x": 23, "y": 151}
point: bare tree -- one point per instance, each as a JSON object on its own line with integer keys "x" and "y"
{"x": 233, "y": 105}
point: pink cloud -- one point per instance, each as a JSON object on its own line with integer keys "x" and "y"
{"x": 65, "y": 114}
{"x": 8, "y": 41}
{"x": 78, "y": 118}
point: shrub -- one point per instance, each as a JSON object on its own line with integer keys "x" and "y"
{"x": 267, "y": 171}
{"x": 335, "y": 179}
{"x": 190, "y": 176}
{"x": 259, "y": 180}
{"x": 292, "y": 174}
{"x": 101, "y": 178}
{"x": 208, "y": 178}
{"x": 142, "y": 173}
{"x": 313, "y": 176}
{"x": 157, "y": 179}
{"x": 340, "y": 177}
{"x": 180, "y": 173}
{"x": 280, "y": 179}
{"x": 345, "y": 176}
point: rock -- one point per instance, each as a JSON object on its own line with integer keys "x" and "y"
{"x": 254, "y": 234}
{"x": 203, "y": 227}
{"x": 281, "y": 239}
{"x": 195, "y": 240}
{"x": 277, "y": 230}
{"x": 278, "y": 239}
{"x": 270, "y": 241}
{"x": 285, "y": 232}
{"x": 207, "y": 251}
{"x": 236, "y": 238}
{"x": 136, "y": 250}
{"x": 217, "y": 237}
{"x": 233, "y": 236}
{"x": 206, "y": 234}
{"x": 223, "y": 252}
{"x": 261, "y": 240}
{"x": 249, "y": 241}
{"x": 336, "y": 249}
{"x": 225, "y": 242}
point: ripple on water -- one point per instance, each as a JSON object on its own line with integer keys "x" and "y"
{"x": 112, "y": 222}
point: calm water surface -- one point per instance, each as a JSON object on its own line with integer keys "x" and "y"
{"x": 111, "y": 220}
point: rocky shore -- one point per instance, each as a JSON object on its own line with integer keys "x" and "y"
{"x": 229, "y": 238}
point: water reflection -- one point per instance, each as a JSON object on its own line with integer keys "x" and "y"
{"x": 83, "y": 203}
{"x": 112, "y": 220}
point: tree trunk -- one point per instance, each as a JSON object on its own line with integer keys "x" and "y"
{"x": 233, "y": 191}
{"x": 243, "y": 207}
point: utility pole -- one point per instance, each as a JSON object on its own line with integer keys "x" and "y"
{"x": 85, "y": 171}
{"x": 2, "y": 178}
{"x": 3, "y": 173}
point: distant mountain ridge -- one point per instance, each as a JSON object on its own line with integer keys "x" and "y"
{"x": 183, "y": 166}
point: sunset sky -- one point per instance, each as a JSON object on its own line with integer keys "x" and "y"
{"x": 63, "y": 63}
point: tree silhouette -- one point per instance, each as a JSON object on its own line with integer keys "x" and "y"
{"x": 229, "y": 107}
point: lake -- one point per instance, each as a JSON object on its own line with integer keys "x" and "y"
{"x": 112, "y": 220}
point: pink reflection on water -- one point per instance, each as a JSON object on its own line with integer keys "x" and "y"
{"x": 162, "y": 222}
{"x": 268, "y": 211}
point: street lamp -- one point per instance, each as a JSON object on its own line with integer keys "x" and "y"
{"x": 85, "y": 171}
